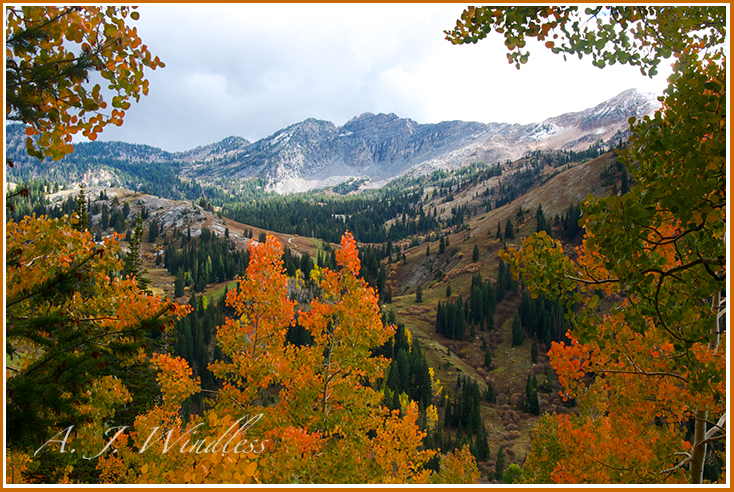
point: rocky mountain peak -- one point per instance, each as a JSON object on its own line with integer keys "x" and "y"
{"x": 216, "y": 150}
{"x": 614, "y": 111}
{"x": 308, "y": 132}
{"x": 368, "y": 120}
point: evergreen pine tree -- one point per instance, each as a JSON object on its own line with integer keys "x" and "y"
{"x": 625, "y": 186}
{"x": 546, "y": 336}
{"x": 510, "y": 283}
{"x": 118, "y": 221}
{"x": 542, "y": 223}
{"x": 403, "y": 365}
{"x": 524, "y": 309}
{"x": 387, "y": 398}
{"x": 459, "y": 320}
{"x": 499, "y": 467}
{"x": 534, "y": 351}
{"x": 532, "y": 405}
{"x": 518, "y": 335}
{"x": 393, "y": 378}
{"x": 105, "y": 222}
{"x": 475, "y": 254}
{"x": 133, "y": 264}
{"x": 179, "y": 283}
{"x": 477, "y": 304}
{"x": 509, "y": 231}
{"x": 460, "y": 440}
{"x": 501, "y": 278}
{"x": 482, "y": 444}
{"x": 438, "y": 439}
{"x": 473, "y": 405}
{"x": 81, "y": 210}
{"x": 388, "y": 295}
{"x": 440, "y": 318}
{"x": 489, "y": 394}
{"x": 490, "y": 299}
{"x": 152, "y": 231}
{"x": 473, "y": 447}
{"x": 449, "y": 313}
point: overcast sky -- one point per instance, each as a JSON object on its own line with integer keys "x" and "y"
{"x": 250, "y": 70}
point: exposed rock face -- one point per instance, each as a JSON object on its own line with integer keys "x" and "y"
{"x": 228, "y": 146}
{"x": 382, "y": 146}
{"x": 379, "y": 147}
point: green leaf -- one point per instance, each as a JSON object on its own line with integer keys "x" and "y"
{"x": 593, "y": 301}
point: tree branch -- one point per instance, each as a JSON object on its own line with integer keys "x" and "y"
{"x": 593, "y": 281}
{"x": 60, "y": 277}
{"x": 640, "y": 373}
{"x": 219, "y": 393}
{"x": 679, "y": 465}
{"x": 721, "y": 261}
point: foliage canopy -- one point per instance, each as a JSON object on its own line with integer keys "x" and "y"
{"x": 656, "y": 360}
{"x": 50, "y": 55}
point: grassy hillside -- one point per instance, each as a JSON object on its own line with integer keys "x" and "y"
{"x": 507, "y": 424}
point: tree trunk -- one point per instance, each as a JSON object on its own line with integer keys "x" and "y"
{"x": 699, "y": 433}
{"x": 699, "y": 451}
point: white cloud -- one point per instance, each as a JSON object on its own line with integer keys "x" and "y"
{"x": 251, "y": 69}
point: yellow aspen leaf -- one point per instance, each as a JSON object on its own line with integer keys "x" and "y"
{"x": 250, "y": 468}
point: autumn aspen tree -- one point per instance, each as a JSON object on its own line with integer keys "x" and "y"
{"x": 655, "y": 362}
{"x": 74, "y": 324}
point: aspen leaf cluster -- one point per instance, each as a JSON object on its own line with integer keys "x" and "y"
{"x": 647, "y": 366}
{"x": 50, "y": 53}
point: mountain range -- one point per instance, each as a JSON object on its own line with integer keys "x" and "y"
{"x": 370, "y": 148}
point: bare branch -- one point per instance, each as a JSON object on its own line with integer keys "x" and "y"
{"x": 679, "y": 465}
{"x": 718, "y": 427}
{"x": 706, "y": 441}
